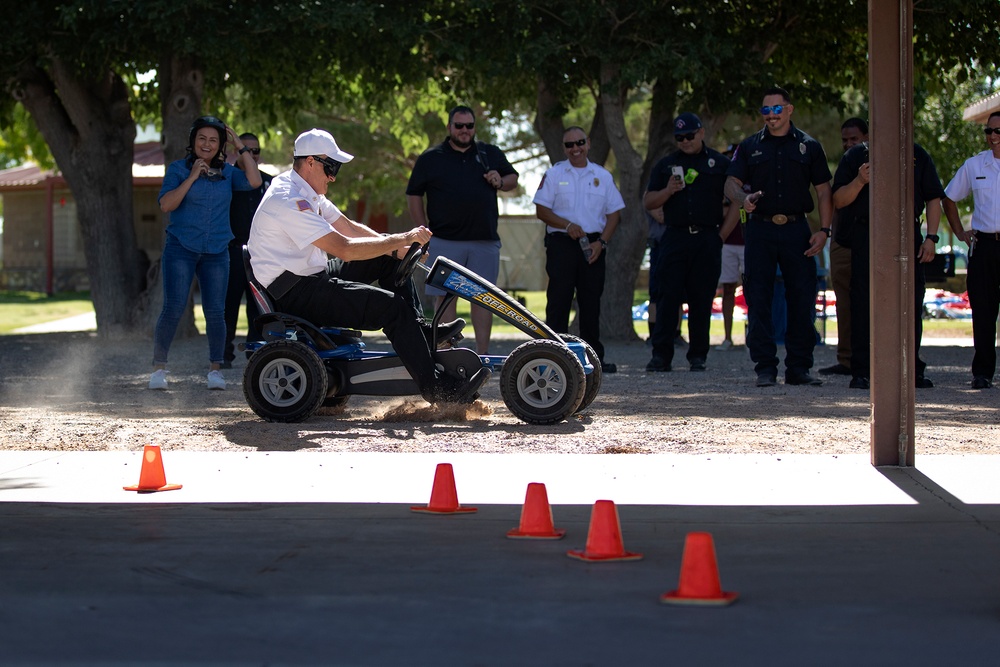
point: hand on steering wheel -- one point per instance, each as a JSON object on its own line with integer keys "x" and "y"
{"x": 408, "y": 264}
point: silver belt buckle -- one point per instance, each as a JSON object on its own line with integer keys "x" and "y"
{"x": 694, "y": 229}
{"x": 779, "y": 219}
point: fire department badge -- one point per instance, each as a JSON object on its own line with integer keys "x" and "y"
{"x": 711, "y": 162}
{"x": 802, "y": 148}
{"x": 597, "y": 182}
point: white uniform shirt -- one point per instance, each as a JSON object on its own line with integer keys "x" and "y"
{"x": 585, "y": 196}
{"x": 290, "y": 217}
{"x": 980, "y": 175}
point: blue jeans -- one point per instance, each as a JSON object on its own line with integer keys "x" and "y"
{"x": 179, "y": 266}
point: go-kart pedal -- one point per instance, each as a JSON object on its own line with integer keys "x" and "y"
{"x": 448, "y": 333}
{"x": 455, "y": 390}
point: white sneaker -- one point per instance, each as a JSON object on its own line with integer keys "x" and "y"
{"x": 215, "y": 380}
{"x": 726, "y": 345}
{"x": 158, "y": 380}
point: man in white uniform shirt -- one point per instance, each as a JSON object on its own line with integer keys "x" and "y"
{"x": 295, "y": 229}
{"x": 980, "y": 175}
{"x": 580, "y": 206}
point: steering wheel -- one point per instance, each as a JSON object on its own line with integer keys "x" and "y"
{"x": 408, "y": 264}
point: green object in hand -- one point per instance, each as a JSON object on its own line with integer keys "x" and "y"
{"x": 690, "y": 176}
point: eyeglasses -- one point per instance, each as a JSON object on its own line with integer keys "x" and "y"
{"x": 991, "y": 130}
{"x": 685, "y": 137}
{"x": 578, "y": 142}
{"x": 464, "y": 126}
{"x": 776, "y": 110}
{"x": 330, "y": 166}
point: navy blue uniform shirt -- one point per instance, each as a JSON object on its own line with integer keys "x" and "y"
{"x": 700, "y": 202}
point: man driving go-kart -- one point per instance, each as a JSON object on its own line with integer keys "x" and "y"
{"x": 295, "y": 229}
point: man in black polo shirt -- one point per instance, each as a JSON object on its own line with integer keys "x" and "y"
{"x": 688, "y": 186}
{"x": 851, "y": 197}
{"x": 780, "y": 163}
{"x": 461, "y": 178}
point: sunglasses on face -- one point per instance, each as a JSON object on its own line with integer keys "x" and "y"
{"x": 464, "y": 126}
{"x": 684, "y": 137}
{"x": 776, "y": 110}
{"x": 578, "y": 142}
{"x": 253, "y": 151}
{"x": 330, "y": 167}
{"x": 991, "y": 130}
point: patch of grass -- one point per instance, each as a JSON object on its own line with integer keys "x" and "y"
{"x": 22, "y": 309}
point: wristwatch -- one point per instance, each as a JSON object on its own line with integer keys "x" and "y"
{"x": 933, "y": 237}
{"x": 604, "y": 244}
{"x": 244, "y": 150}
{"x": 828, "y": 231}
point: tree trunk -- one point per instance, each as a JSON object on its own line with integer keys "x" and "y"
{"x": 87, "y": 123}
{"x": 628, "y": 246}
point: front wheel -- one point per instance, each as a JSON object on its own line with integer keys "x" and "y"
{"x": 542, "y": 382}
{"x": 285, "y": 381}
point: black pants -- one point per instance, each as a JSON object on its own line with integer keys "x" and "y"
{"x": 570, "y": 273}
{"x": 861, "y": 302}
{"x": 688, "y": 268}
{"x": 340, "y": 301}
{"x": 238, "y": 288}
{"x": 984, "y": 298}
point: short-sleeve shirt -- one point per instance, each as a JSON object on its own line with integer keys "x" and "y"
{"x": 700, "y": 202}
{"x": 980, "y": 175}
{"x": 201, "y": 222}
{"x": 461, "y": 204}
{"x": 926, "y": 184}
{"x": 586, "y": 195}
{"x": 289, "y": 219}
{"x": 783, "y": 168}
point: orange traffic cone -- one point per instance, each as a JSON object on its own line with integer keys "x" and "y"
{"x": 536, "y": 517}
{"x": 604, "y": 539}
{"x": 444, "y": 496}
{"x": 699, "y": 584}
{"x": 151, "y": 476}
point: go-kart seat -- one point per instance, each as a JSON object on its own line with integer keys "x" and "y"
{"x": 260, "y": 296}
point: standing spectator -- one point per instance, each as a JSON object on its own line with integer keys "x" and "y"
{"x": 461, "y": 177}
{"x": 733, "y": 267}
{"x": 688, "y": 186}
{"x": 980, "y": 175}
{"x": 852, "y": 132}
{"x": 196, "y": 193}
{"x": 296, "y": 229}
{"x": 851, "y": 197}
{"x": 580, "y": 205}
{"x": 780, "y": 163}
{"x": 241, "y": 211}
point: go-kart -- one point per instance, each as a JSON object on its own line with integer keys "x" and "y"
{"x": 300, "y": 367}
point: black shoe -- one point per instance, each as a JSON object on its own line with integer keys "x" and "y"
{"x": 858, "y": 382}
{"x": 981, "y": 382}
{"x": 803, "y": 378}
{"x": 924, "y": 382}
{"x": 836, "y": 369}
{"x": 454, "y": 390}
{"x": 658, "y": 365}
{"x": 608, "y": 368}
{"x": 228, "y": 363}
{"x": 447, "y": 332}
{"x": 679, "y": 341}
{"x": 698, "y": 365}
{"x": 767, "y": 379}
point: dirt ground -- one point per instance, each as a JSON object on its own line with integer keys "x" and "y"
{"x": 72, "y": 391}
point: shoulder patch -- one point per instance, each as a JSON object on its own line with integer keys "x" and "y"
{"x": 303, "y": 205}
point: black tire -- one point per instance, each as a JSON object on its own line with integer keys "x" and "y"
{"x": 596, "y": 376}
{"x": 285, "y": 381}
{"x": 542, "y": 382}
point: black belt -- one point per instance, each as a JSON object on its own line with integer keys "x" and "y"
{"x": 778, "y": 218}
{"x": 987, "y": 236}
{"x": 693, "y": 229}
{"x": 592, "y": 236}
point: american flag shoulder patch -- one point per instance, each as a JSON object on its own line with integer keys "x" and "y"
{"x": 303, "y": 205}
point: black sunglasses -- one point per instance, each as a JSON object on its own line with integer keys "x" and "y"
{"x": 991, "y": 130}
{"x": 464, "y": 126}
{"x": 253, "y": 151}
{"x": 685, "y": 137}
{"x": 578, "y": 142}
{"x": 330, "y": 166}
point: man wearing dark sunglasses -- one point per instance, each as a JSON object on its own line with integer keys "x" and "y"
{"x": 461, "y": 178}
{"x": 580, "y": 206}
{"x": 780, "y": 164}
{"x": 980, "y": 176}
{"x": 296, "y": 229}
{"x": 688, "y": 186}
{"x": 241, "y": 211}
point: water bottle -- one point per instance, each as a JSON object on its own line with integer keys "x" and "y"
{"x": 585, "y": 246}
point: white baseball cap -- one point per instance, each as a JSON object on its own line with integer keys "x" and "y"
{"x": 319, "y": 142}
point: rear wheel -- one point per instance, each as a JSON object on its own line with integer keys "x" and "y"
{"x": 285, "y": 381}
{"x": 596, "y": 376}
{"x": 542, "y": 382}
